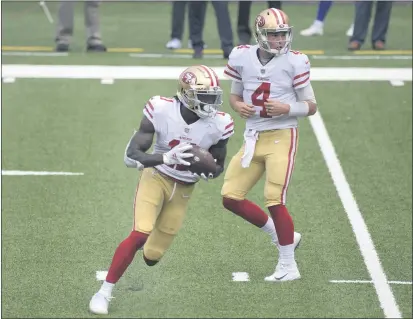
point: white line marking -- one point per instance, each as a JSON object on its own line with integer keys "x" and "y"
{"x": 172, "y": 73}
{"x": 107, "y": 81}
{"x": 368, "y": 282}
{"x": 9, "y": 80}
{"x": 361, "y": 57}
{"x": 240, "y": 276}
{"x": 18, "y": 53}
{"x": 396, "y": 83}
{"x": 26, "y": 173}
{"x": 46, "y": 11}
{"x": 101, "y": 275}
{"x": 367, "y": 249}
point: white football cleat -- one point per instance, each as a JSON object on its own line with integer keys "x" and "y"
{"x": 297, "y": 241}
{"x": 174, "y": 44}
{"x": 313, "y": 30}
{"x": 99, "y": 304}
{"x": 350, "y": 31}
{"x": 284, "y": 272}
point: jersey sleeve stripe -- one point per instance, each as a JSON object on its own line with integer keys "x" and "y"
{"x": 150, "y": 105}
{"x": 149, "y": 113}
{"x": 232, "y": 76}
{"x": 301, "y": 82}
{"x": 227, "y": 133}
{"x": 229, "y": 125}
{"x": 301, "y": 75}
{"x": 232, "y": 69}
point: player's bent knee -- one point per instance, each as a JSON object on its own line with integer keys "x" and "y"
{"x": 228, "y": 202}
{"x": 150, "y": 262}
{"x": 152, "y": 256}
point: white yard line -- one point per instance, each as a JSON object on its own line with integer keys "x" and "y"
{"x": 240, "y": 276}
{"x": 368, "y": 251}
{"x": 396, "y": 83}
{"x": 26, "y": 173}
{"x": 172, "y": 72}
{"x": 394, "y": 282}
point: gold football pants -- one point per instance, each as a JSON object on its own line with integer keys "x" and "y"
{"x": 160, "y": 206}
{"x": 274, "y": 153}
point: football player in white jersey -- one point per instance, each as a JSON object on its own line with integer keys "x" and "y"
{"x": 189, "y": 118}
{"x": 271, "y": 89}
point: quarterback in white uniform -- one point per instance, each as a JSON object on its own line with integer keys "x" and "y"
{"x": 165, "y": 186}
{"x": 271, "y": 89}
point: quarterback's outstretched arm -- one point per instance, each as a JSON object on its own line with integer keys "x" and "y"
{"x": 219, "y": 152}
{"x": 140, "y": 142}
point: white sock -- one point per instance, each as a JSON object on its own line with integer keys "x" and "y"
{"x": 106, "y": 289}
{"x": 286, "y": 254}
{"x": 269, "y": 228}
{"x": 318, "y": 24}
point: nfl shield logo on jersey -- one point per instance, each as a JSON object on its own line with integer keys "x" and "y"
{"x": 186, "y": 129}
{"x": 262, "y": 71}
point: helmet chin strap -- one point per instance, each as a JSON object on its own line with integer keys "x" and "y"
{"x": 194, "y": 110}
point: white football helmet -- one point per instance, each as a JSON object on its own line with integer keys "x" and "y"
{"x": 199, "y": 90}
{"x": 273, "y": 32}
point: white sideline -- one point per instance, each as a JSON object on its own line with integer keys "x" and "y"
{"x": 26, "y": 173}
{"x": 172, "y": 72}
{"x": 368, "y": 251}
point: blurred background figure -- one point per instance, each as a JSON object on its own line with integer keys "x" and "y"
{"x": 243, "y": 24}
{"x": 362, "y": 20}
{"x": 65, "y": 22}
{"x": 317, "y": 28}
{"x": 197, "y": 11}
{"x": 178, "y": 22}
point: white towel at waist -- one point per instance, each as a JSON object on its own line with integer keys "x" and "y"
{"x": 250, "y": 137}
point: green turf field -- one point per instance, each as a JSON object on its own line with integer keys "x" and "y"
{"x": 58, "y": 231}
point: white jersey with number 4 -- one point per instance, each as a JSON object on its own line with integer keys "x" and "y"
{"x": 277, "y": 80}
{"x": 171, "y": 130}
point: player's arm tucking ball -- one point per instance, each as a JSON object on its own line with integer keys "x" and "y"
{"x": 219, "y": 153}
{"x": 141, "y": 141}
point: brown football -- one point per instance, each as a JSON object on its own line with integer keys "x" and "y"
{"x": 202, "y": 162}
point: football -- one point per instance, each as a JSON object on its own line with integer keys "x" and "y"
{"x": 202, "y": 161}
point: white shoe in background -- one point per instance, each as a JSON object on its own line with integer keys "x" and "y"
{"x": 174, "y": 44}
{"x": 350, "y": 31}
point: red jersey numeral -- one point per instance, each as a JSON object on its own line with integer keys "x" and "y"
{"x": 261, "y": 95}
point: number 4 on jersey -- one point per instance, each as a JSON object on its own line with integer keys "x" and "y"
{"x": 261, "y": 95}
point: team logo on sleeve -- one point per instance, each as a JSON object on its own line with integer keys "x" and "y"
{"x": 260, "y": 21}
{"x": 189, "y": 78}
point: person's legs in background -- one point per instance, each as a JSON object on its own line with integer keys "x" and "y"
{"x": 361, "y": 24}
{"x": 224, "y": 26}
{"x": 381, "y": 24}
{"x": 317, "y": 28}
{"x": 178, "y": 20}
{"x": 197, "y": 10}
